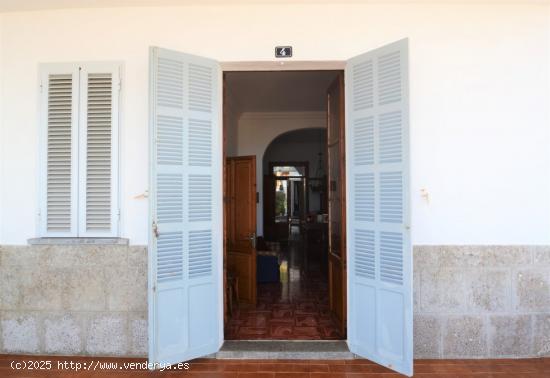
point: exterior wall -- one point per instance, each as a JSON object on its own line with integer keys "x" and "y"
{"x": 469, "y": 301}
{"x": 73, "y": 300}
{"x": 479, "y": 99}
{"x": 480, "y": 96}
{"x": 481, "y": 301}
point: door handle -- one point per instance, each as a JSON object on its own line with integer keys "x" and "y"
{"x": 155, "y": 230}
{"x": 252, "y": 239}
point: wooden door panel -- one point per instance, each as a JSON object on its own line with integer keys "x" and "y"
{"x": 338, "y": 280}
{"x": 241, "y": 206}
{"x": 337, "y": 201}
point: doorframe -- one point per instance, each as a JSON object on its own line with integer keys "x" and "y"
{"x": 259, "y": 66}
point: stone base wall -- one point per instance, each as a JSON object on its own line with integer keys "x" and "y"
{"x": 73, "y": 300}
{"x": 481, "y": 301}
{"x": 469, "y": 301}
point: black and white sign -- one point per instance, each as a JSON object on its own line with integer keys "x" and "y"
{"x": 283, "y": 51}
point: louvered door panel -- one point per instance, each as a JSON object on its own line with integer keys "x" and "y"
{"x": 379, "y": 251}
{"x": 184, "y": 276}
{"x": 60, "y": 150}
{"x": 98, "y": 191}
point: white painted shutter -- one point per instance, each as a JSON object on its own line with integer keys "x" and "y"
{"x": 98, "y": 131}
{"x": 59, "y": 155}
{"x": 379, "y": 251}
{"x": 185, "y": 300}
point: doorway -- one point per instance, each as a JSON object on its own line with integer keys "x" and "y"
{"x": 285, "y": 286}
{"x": 187, "y": 267}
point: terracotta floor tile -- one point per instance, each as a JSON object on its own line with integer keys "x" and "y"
{"x": 301, "y": 301}
{"x": 205, "y": 368}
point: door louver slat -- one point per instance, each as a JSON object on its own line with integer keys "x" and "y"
{"x": 169, "y": 256}
{"x": 364, "y": 197}
{"x": 200, "y": 88}
{"x": 363, "y": 148}
{"x": 200, "y": 142}
{"x": 59, "y": 153}
{"x": 200, "y": 253}
{"x": 200, "y": 198}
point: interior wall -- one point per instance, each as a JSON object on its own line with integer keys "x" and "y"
{"x": 306, "y": 148}
{"x": 258, "y": 130}
{"x": 479, "y": 91}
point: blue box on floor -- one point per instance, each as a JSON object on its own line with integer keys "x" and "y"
{"x": 267, "y": 268}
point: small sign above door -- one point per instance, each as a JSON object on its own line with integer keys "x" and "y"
{"x": 283, "y": 51}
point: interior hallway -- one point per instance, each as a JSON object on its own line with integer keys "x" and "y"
{"x": 296, "y": 308}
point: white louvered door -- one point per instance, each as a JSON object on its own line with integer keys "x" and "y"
{"x": 380, "y": 309}
{"x": 98, "y": 133}
{"x": 59, "y": 163}
{"x": 185, "y": 249}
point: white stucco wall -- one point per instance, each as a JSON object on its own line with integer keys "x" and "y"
{"x": 480, "y": 96}
{"x": 2, "y": 158}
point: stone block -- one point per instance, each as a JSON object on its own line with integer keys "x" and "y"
{"x": 465, "y": 337}
{"x": 20, "y": 333}
{"x": 541, "y": 335}
{"x": 442, "y": 290}
{"x": 10, "y": 279}
{"x": 23, "y": 255}
{"x": 511, "y": 336}
{"x": 416, "y": 291}
{"x": 138, "y": 334}
{"x": 137, "y": 290}
{"x": 109, "y": 255}
{"x": 427, "y": 336}
{"x": 85, "y": 289}
{"x": 488, "y": 290}
{"x": 107, "y": 335}
{"x": 73, "y": 255}
{"x": 532, "y": 290}
{"x": 118, "y": 284}
{"x": 137, "y": 256}
{"x": 40, "y": 288}
{"x": 480, "y": 256}
{"x": 541, "y": 255}
{"x": 63, "y": 334}
{"x": 425, "y": 256}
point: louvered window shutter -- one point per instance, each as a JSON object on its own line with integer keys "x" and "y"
{"x": 98, "y": 171}
{"x": 79, "y": 150}
{"x": 59, "y": 155}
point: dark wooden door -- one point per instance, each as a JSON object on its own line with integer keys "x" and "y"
{"x": 241, "y": 224}
{"x": 337, "y": 201}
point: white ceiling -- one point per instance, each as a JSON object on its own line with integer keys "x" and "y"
{"x": 29, "y": 5}
{"x": 279, "y": 91}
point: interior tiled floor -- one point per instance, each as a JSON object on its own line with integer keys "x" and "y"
{"x": 296, "y": 308}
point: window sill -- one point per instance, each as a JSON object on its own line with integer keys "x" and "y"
{"x": 78, "y": 241}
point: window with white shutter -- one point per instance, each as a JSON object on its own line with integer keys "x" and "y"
{"x": 79, "y": 157}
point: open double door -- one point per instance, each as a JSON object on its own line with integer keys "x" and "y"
{"x": 186, "y": 208}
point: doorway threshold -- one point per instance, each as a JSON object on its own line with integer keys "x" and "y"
{"x": 285, "y": 349}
